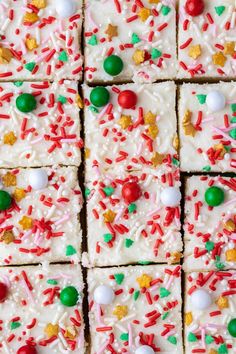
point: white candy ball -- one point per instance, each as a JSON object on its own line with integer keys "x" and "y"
{"x": 201, "y": 299}
{"x": 144, "y": 349}
{"x": 171, "y": 196}
{"x": 65, "y": 8}
{"x": 104, "y": 295}
{"x": 38, "y": 178}
{"x": 215, "y": 101}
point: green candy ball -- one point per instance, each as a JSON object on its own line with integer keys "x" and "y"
{"x": 232, "y": 327}
{"x": 26, "y": 103}
{"x": 113, "y": 65}
{"x": 99, "y": 96}
{"x": 214, "y": 196}
{"x": 69, "y": 296}
{"x": 5, "y": 200}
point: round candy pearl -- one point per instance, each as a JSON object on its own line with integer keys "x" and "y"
{"x": 144, "y": 349}
{"x": 113, "y": 65}
{"x": 215, "y": 101}
{"x": 69, "y": 296}
{"x": 38, "y": 178}
{"x": 5, "y": 200}
{"x": 65, "y": 8}
{"x": 27, "y": 349}
{"x": 214, "y": 196}
{"x": 201, "y": 299}
{"x": 127, "y": 99}
{"x": 170, "y": 196}
{"x": 99, "y": 96}
{"x": 232, "y": 327}
{"x": 26, "y": 103}
{"x": 3, "y": 292}
{"x": 131, "y": 192}
{"x": 104, "y": 295}
{"x": 194, "y": 7}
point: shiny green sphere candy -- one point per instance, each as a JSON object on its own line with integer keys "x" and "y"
{"x": 214, "y": 196}
{"x": 5, "y": 200}
{"x": 99, "y": 96}
{"x": 232, "y": 327}
{"x": 69, "y": 296}
{"x": 26, "y": 103}
{"x": 113, "y": 65}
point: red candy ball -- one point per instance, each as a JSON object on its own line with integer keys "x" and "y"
{"x": 131, "y": 192}
{"x": 3, "y": 292}
{"x": 127, "y": 99}
{"x": 194, "y": 7}
{"x": 27, "y": 349}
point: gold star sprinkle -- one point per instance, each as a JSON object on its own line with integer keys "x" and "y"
{"x": 188, "y": 318}
{"x": 31, "y": 43}
{"x": 174, "y": 257}
{"x": 5, "y": 55}
{"x": 153, "y": 131}
{"x": 51, "y": 330}
{"x": 222, "y": 302}
{"x": 229, "y": 225}
{"x": 187, "y": 125}
{"x": 26, "y": 223}
{"x": 111, "y": 31}
{"x": 219, "y": 59}
{"x": 31, "y": 17}
{"x": 19, "y": 194}
{"x": 109, "y": 216}
{"x": 138, "y": 56}
{"x": 231, "y": 255}
{"x": 120, "y": 311}
{"x": 144, "y": 13}
{"x": 125, "y": 121}
{"x": 7, "y": 237}
{"x": 87, "y": 153}
{"x": 195, "y": 51}
{"x": 176, "y": 142}
{"x": 9, "y": 180}
{"x": 153, "y": 1}
{"x": 79, "y": 101}
{"x": 9, "y": 138}
{"x": 229, "y": 48}
{"x": 40, "y": 4}
{"x": 149, "y": 118}
{"x": 222, "y": 149}
{"x": 213, "y": 351}
{"x": 71, "y": 332}
{"x": 144, "y": 281}
{"x": 157, "y": 159}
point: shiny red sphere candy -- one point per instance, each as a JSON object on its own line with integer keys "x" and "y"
{"x": 27, "y": 349}
{"x": 194, "y": 7}
{"x": 3, "y": 292}
{"x": 131, "y": 192}
{"x": 127, "y": 99}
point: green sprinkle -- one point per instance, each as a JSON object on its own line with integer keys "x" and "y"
{"x": 124, "y": 336}
{"x": 206, "y": 168}
{"x": 132, "y": 207}
{"x": 166, "y": 314}
{"x": 30, "y": 66}
{"x": 165, "y": 10}
{"x": 18, "y": 83}
{"x": 172, "y": 340}
{"x": 63, "y": 56}
{"x": 15, "y": 325}
{"x": 128, "y": 242}
{"x": 227, "y": 148}
{"x": 201, "y": 99}
{"x": 87, "y": 192}
{"x": 62, "y": 99}
{"x": 136, "y": 295}
{"x": 144, "y": 262}
{"x": 232, "y": 133}
{"x": 135, "y": 38}
{"x": 220, "y": 10}
{"x": 164, "y": 292}
{"x": 192, "y": 337}
{"x": 108, "y": 191}
{"x": 175, "y": 161}
{"x": 219, "y": 265}
{"x": 70, "y": 250}
{"x": 233, "y": 120}
{"x": 119, "y": 277}
{"x": 93, "y": 109}
{"x": 233, "y": 107}
{"x": 223, "y": 349}
{"x": 209, "y": 246}
{"x": 93, "y": 40}
{"x": 107, "y": 237}
{"x": 155, "y": 53}
{"x": 209, "y": 339}
{"x": 52, "y": 282}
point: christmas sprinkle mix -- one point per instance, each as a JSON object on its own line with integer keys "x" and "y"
{"x": 39, "y": 215}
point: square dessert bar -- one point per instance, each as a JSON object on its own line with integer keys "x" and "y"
{"x": 40, "y": 39}
{"x": 134, "y": 217}
{"x": 206, "y": 39}
{"x": 135, "y": 309}
{"x": 210, "y": 323}
{"x": 40, "y": 124}
{"x": 130, "y": 40}
{"x": 41, "y": 310}
{"x": 207, "y": 127}
{"x": 130, "y": 127}
{"x": 39, "y": 215}
{"x": 210, "y": 223}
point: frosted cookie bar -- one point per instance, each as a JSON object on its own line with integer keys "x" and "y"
{"x": 210, "y": 323}
{"x": 130, "y": 127}
{"x": 133, "y": 40}
{"x": 207, "y": 127}
{"x": 134, "y": 217}
{"x": 210, "y": 223}
{"x": 40, "y": 124}
{"x": 206, "y": 39}
{"x": 41, "y": 310}
{"x": 135, "y": 309}
{"x": 39, "y": 215}
{"x": 40, "y": 39}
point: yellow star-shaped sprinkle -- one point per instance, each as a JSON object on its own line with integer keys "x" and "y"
{"x": 125, "y": 121}
{"x": 87, "y": 153}
{"x": 31, "y": 43}
{"x": 40, "y": 4}
{"x": 7, "y": 237}
{"x": 174, "y": 257}
{"x": 9, "y": 179}
{"x": 9, "y": 138}
{"x": 195, "y": 51}
{"x": 157, "y": 159}
{"x": 5, "y": 55}
{"x": 19, "y": 194}
{"x": 79, "y": 101}
{"x": 109, "y": 216}
{"x": 111, "y": 31}
{"x": 31, "y": 17}
{"x": 231, "y": 255}
{"x": 144, "y": 13}
{"x": 176, "y": 142}
{"x": 26, "y": 223}
{"x": 150, "y": 118}
{"x": 153, "y": 131}
{"x": 120, "y": 311}
{"x": 188, "y": 318}
{"x": 187, "y": 125}
{"x": 71, "y": 332}
{"x": 222, "y": 302}
{"x": 138, "y": 56}
{"x": 144, "y": 281}
{"x": 229, "y": 48}
{"x": 229, "y": 225}
{"x": 51, "y": 330}
{"x": 219, "y": 59}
